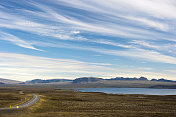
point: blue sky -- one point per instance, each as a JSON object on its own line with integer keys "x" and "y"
{"x": 74, "y": 38}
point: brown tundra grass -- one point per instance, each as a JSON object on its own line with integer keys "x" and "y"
{"x": 68, "y": 103}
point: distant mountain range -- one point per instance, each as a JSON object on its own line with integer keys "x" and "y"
{"x": 94, "y": 79}
{"x": 163, "y": 80}
{"x": 8, "y": 81}
{"x": 37, "y": 81}
{"x": 82, "y": 80}
{"x": 129, "y": 79}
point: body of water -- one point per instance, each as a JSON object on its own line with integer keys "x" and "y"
{"x": 145, "y": 91}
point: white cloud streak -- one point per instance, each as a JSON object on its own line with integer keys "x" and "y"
{"x": 26, "y": 67}
{"x": 149, "y": 23}
{"x": 15, "y": 40}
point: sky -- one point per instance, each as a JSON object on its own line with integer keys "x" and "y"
{"x": 47, "y": 39}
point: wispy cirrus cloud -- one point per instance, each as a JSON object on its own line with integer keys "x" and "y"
{"x": 144, "y": 30}
{"x": 108, "y": 26}
{"x": 94, "y": 25}
{"x": 155, "y": 8}
{"x": 104, "y": 22}
{"x": 152, "y": 13}
{"x": 151, "y": 56}
{"x": 148, "y": 23}
{"x": 32, "y": 66}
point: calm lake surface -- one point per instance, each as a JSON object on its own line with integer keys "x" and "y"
{"x": 146, "y": 91}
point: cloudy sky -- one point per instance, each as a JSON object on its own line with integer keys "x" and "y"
{"x": 73, "y": 38}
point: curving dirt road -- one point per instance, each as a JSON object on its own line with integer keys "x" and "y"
{"x": 31, "y": 102}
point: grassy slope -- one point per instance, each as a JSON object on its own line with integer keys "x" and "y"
{"x": 65, "y": 103}
{"x": 8, "y": 81}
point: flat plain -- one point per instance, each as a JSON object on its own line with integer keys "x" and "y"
{"x": 70, "y": 103}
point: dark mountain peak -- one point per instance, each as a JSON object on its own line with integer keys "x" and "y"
{"x": 87, "y": 80}
{"x": 153, "y": 79}
{"x": 165, "y": 80}
{"x": 143, "y": 78}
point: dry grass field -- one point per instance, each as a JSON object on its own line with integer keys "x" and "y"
{"x": 12, "y": 97}
{"x": 68, "y": 103}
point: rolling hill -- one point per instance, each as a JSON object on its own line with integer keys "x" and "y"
{"x": 8, "y": 81}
